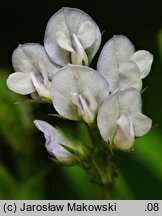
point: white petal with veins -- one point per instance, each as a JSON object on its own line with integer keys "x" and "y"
{"x": 142, "y": 124}
{"x": 72, "y": 84}
{"x": 130, "y": 101}
{"x": 29, "y": 57}
{"x": 33, "y": 63}
{"x": 129, "y": 76}
{"x": 113, "y": 63}
{"x": 116, "y": 51}
{"x": 120, "y": 119}
{"x": 144, "y": 61}
{"x": 107, "y": 117}
{"x": 20, "y": 83}
{"x": 87, "y": 34}
{"x": 71, "y": 21}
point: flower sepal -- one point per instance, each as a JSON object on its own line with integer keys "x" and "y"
{"x": 40, "y": 100}
{"x": 61, "y": 163}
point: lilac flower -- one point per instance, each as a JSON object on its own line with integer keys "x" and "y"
{"x": 34, "y": 70}
{"x": 120, "y": 119}
{"x": 72, "y": 37}
{"x": 57, "y": 144}
{"x": 121, "y": 66}
{"x": 77, "y": 92}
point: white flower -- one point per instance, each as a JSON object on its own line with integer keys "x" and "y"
{"x": 77, "y": 92}
{"x": 121, "y": 66}
{"x": 72, "y": 37}
{"x": 56, "y": 143}
{"x": 120, "y": 119}
{"x": 33, "y": 70}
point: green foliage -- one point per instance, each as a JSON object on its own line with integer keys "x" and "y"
{"x": 141, "y": 168}
{"x": 148, "y": 152}
{"x": 8, "y": 183}
{"x": 15, "y": 119}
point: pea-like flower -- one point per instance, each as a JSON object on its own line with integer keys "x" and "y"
{"x": 120, "y": 119}
{"x": 77, "y": 92}
{"x": 121, "y": 66}
{"x": 34, "y": 70}
{"x": 57, "y": 144}
{"x": 72, "y": 37}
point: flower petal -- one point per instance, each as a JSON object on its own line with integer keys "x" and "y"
{"x": 69, "y": 21}
{"x": 129, "y": 101}
{"x": 142, "y": 124}
{"x": 86, "y": 107}
{"x": 77, "y": 80}
{"x": 42, "y": 90}
{"x": 144, "y": 61}
{"x": 55, "y": 142}
{"x": 20, "y": 83}
{"x": 31, "y": 57}
{"x": 107, "y": 117}
{"x": 64, "y": 41}
{"x": 124, "y": 137}
{"x": 87, "y": 34}
{"x": 79, "y": 56}
{"x": 129, "y": 76}
{"x": 116, "y": 51}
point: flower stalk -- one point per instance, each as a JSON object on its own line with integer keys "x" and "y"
{"x": 101, "y": 164}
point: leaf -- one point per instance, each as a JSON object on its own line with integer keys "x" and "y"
{"x": 148, "y": 150}
{"x": 82, "y": 184}
{"x": 32, "y": 188}
{"x": 142, "y": 167}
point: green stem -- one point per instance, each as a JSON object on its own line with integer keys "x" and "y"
{"x": 102, "y": 166}
{"x": 105, "y": 195}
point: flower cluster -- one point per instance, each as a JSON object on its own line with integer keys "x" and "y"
{"x": 108, "y": 97}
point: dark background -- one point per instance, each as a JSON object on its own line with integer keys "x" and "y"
{"x": 141, "y": 21}
{"x": 25, "y": 21}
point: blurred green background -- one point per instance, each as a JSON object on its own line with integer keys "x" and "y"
{"x": 26, "y": 172}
